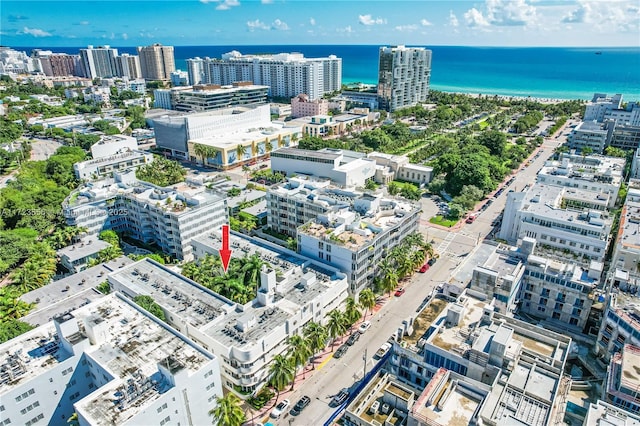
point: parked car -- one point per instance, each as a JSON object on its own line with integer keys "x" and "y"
{"x": 383, "y": 349}
{"x": 341, "y": 351}
{"x": 300, "y": 405}
{"x": 280, "y": 408}
{"x": 340, "y": 398}
{"x": 353, "y": 338}
{"x": 471, "y": 218}
{"x": 425, "y": 267}
{"x": 364, "y": 327}
{"x": 399, "y": 292}
{"x": 432, "y": 261}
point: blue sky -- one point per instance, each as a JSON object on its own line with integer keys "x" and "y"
{"x": 258, "y": 22}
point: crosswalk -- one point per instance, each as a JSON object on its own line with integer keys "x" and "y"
{"x": 444, "y": 245}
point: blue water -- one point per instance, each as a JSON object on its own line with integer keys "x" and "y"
{"x": 566, "y": 73}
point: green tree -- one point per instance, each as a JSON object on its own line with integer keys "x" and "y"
{"x": 335, "y": 325}
{"x": 612, "y": 151}
{"x": 298, "y": 353}
{"x": 281, "y": 372}
{"x": 10, "y": 328}
{"x": 367, "y": 300}
{"x": 104, "y": 287}
{"x": 228, "y": 411}
{"x": 147, "y": 303}
{"x": 351, "y": 311}
{"x": 316, "y": 334}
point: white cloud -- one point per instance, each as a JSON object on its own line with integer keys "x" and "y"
{"x": 36, "y": 32}
{"x": 227, "y": 4}
{"x": 312, "y": 21}
{"x": 605, "y": 16}
{"x": 276, "y": 25}
{"x": 368, "y": 20}
{"x": 406, "y": 28}
{"x": 474, "y": 18}
{"x": 257, "y": 25}
{"x": 279, "y": 25}
{"x": 502, "y": 13}
{"x": 125, "y": 36}
{"x": 84, "y": 22}
{"x": 266, "y": 1}
{"x": 346, "y": 30}
{"x": 453, "y": 19}
{"x": 425, "y": 23}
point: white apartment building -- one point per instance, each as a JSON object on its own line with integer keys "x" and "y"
{"x": 356, "y": 239}
{"x": 106, "y": 166}
{"x": 75, "y": 257}
{"x": 591, "y": 134}
{"x": 286, "y": 74}
{"x": 137, "y": 85}
{"x": 179, "y": 78}
{"x": 519, "y": 367}
{"x": 128, "y": 66}
{"x": 111, "y": 363}
{"x": 97, "y": 95}
{"x": 342, "y": 167}
{"x": 201, "y": 98}
{"x": 404, "y": 75}
{"x": 568, "y": 221}
{"x": 99, "y": 62}
{"x": 15, "y": 62}
{"x": 605, "y": 414}
{"x": 301, "y": 199}
{"x": 244, "y": 337}
{"x": 595, "y": 173}
{"x": 156, "y": 62}
{"x": 168, "y": 217}
{"x": 621, "y": 322}
{"x": 602, "y": 108}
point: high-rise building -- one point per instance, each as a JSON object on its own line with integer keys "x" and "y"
{"x": 403, "y": 76}
{"x": 57, "y": 64}
{"x": 128, "y": 66}
{"x": 156, "y": 62}
{"x": 99, "y": 62}
{"x": 287, "y": 74}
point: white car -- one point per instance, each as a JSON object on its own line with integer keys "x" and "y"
{"x": 364, "y": 327}
{"x": 382, "y": 351}
{"x": 280, "y": 408}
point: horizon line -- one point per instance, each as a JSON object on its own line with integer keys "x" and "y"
{"x": 334, "y": 44}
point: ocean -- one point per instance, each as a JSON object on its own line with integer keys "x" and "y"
{"x": 560, "y": 73}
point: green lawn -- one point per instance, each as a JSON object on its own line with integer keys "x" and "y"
{"x": 483, "y": 124}
{"x": 442, "y": 221}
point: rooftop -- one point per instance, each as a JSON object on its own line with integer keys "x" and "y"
{"x": 231, "y": 139}
{"x": 82, "y": 249}
{"x": 308, "y": 153}
{"x": 131, "y": 356}
{"x": 604, "y": 414}
{"x": 631, "y": 367}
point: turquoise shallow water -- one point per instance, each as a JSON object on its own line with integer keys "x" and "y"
{"x": 566, "y": 73}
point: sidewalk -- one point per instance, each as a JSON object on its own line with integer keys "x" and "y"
{"x": 319, "y": 361}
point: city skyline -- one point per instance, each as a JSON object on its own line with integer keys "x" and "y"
{"x": 516, "y": 23}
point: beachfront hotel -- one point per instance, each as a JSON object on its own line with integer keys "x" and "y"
{"x": 111, "y": 362}
{"x": 403, "y": 76}
{"x": 286, "y": 74}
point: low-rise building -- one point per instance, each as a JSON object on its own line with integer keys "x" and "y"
{"x": 357, "y": 238}
{"x": 168, "y": 217}
{"x": 399, "y": 167}
{"x": 621, "y": 321}
{"x": 603, "y": 414}
{"x": 245, "y": 337}
{"x": 106, "y": 166}
{"x": 76, "y": 256}
{"x": 593, "y": 173}
{"x": 592, "y": 135}
{"x": 112, "y": 145}
{"x": 302, "y": 106}
{"x": 519, "y": 366}
{"x": 623, "y": 381}
{"x": 200, "y": 98}
{"x": 342, "y": 167}
{"x": 571, "y": 222}
{"x": 111, "y": 363}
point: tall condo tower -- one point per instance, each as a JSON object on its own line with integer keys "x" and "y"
{"x": 99, "y": 62}
{"x": 156, "y": 62}
{"x": 403, "y": 76}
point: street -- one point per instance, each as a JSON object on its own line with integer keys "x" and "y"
{"x": 453, "y": 245}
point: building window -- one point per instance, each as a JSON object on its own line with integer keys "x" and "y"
{"x": 556, "y": 315}
{"x": 573, "y": 321}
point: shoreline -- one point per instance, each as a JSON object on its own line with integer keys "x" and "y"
{"x": 540, "y": 99}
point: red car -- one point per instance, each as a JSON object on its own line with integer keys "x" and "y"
{"x": 399, "y": 292}
{"x": 424, "y": 268}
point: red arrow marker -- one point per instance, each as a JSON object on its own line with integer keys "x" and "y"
{"x": 225, "y": 253}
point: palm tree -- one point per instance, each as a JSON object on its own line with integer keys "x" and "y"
{"x": 299, "y": 353}
{"x": 268, "y": 147}
{"x": 251, "y": 267}
{"x": 367, "y": 300}
{"x": 335, "y": 325}
{"x": 281, "y": 373}
{"x": 240, "y": 152}
{"x": 317, "y": 335}
{"x": 200, "y": 151}
{"x": 246, "y": 169}
{"x": 389, "y": 276}
{"x": 351, "y": 311}
{"x": 228, "y": 411}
